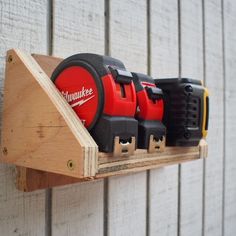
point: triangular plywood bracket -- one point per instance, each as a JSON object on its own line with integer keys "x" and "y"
{"x": 40, "y": 130}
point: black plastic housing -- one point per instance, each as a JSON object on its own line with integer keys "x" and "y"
{"x": 184, "y": 109}
{"x": 146, "y": 128}
{"x": 108, "y": 127}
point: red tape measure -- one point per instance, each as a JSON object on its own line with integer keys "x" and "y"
{"x": 102, "y": 94}
{"x": 80, "y": 85}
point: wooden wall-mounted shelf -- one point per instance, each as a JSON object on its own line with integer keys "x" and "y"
{"x": 42, "y": 135}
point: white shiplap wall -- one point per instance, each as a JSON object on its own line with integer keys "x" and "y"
{"x": 128, "y": 42}
{"x": 191, "y": 174}
{"x": 230, "y": 121}
{"x": 213, "y": 190}
{"x": 164, "y": 63}
{"x": 165, "y": 38}
{"x": 23, "y": 24}
{"x": 78, "y": 27}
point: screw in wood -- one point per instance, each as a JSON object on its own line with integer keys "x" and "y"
{"x": 4, "y": 151}
{"x": 10, "y": 58}
{"x": 71, "y": 165}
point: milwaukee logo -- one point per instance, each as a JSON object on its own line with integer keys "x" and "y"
{"x": 87, "y": 94}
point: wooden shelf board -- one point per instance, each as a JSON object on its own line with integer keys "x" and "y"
{"x": 31, "y": 179}
{"x": 42, "y": 134}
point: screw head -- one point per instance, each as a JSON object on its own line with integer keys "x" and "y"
{"x": 188, "y": 88}
{"x": 5, "y": 151}
{"x": 10, "y": 58}
{"x": 187, "y": 135}
{"x": 71, "y": 165}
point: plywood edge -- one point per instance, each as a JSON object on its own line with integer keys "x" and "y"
{"x": 108, "y": 166}
{"x": 48, "y": 64}
{"x": 87, "y": 150}
{"x": 144, "y": 161}
{"x": 90, "y": 148}
{"x": 29, "y": 180}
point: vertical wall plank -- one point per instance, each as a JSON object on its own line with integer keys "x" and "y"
{"x": 214, "y": 81}
{"x": 191, "y": 66}
{"x": 23, "y": 25}
{"x": 128, "y": 42}
{"x": 128, "y": 33}
{"x": 163, "y": 203}
{"x": 127, "y": 205}
{"x": 78, "y": 27}
{"x": 230, "y": 121}
{"x": 78, "y": 209}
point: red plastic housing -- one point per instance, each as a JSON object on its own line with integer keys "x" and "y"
{"x": 149, "y": 109}
{"x": 79, "y": 88}
{"x": 119, "y": 99}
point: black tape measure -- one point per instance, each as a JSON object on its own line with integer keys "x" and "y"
{"x": 186, "y": 110}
